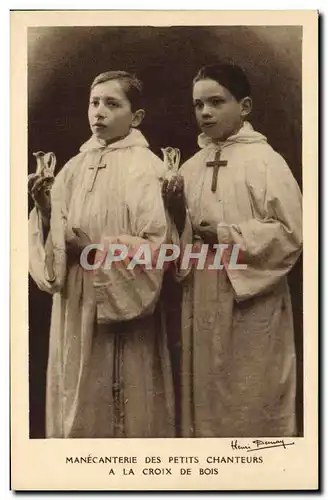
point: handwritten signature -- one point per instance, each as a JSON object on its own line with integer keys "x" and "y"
{"x": 259, "y": 444}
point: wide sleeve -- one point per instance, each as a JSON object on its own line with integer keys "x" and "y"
{"x": 269, "y": 243}
{"x": 126, "y": 292}
{"x": 47, "y": 257}
{"x": 37, "y": 253}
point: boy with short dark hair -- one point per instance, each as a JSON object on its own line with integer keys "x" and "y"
{"x": 108, "y": 371}
{"x": 238, "y": 367}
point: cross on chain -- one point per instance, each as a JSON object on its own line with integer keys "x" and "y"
{"x": 216, "y": 164}
{"x": 95, "y": 169}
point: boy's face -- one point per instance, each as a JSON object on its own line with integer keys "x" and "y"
{"x": 218, "y": 113}
{"x": 110, "y": 114}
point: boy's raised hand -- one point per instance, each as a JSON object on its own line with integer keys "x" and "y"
{"x": 39, "y": 188}
{"x": 174, "y": 200}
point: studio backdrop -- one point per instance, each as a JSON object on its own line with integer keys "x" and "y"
{"x": 63, "y": 61}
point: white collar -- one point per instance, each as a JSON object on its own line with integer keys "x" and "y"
{"x": 134, "y": 138}
{"x": 246, "y": 134}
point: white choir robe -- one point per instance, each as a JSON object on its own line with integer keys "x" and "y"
{"x": 109, "y": 372}
{"x": 238, "y": 367}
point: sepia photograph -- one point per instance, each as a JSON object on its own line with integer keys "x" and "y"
{"x": 164, "y": 224}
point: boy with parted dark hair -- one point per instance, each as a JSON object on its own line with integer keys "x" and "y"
{"x": 108, "y": 373}
{"x": 238, "y": 368}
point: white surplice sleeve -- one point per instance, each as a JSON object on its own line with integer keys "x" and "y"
{"x": 37, "y": 253}
{"x": 271, "y": 242}
{"x": 47, "y": 258}
{"x": 121, "y": 293}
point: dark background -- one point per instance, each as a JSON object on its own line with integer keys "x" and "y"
{"x": 62, "y": 62}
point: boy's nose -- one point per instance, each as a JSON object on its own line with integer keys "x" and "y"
{"x": 100, "y": 111}
{"x": 206, "y": 111}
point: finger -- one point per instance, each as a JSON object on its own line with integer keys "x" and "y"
{"x": 164, "y": 187}
{"x": 77, "y": 231}
{"x": 171, "y": 184}
{"x": 175, "y": 185}
{"x": 179, "y": 189}
{"x": 34, "y": 185}
{"x": 48, "y": 183}
{"x": 80, "y": 234}
{"x": 45, "y": 181}
{"x": 39, "y": 185}
{"x": 30, "y": 181}
{"x": 181, "y": 179}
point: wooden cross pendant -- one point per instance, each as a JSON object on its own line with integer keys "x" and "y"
{"x": 216, "y": 164}
{"x": 95, "y": 169}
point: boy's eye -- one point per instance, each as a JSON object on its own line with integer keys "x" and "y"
{"x": 112, "y": 104}
{"x": 93, "y": 103}
{"x": 198, "y": 105}
{"x": 216, "y": 101}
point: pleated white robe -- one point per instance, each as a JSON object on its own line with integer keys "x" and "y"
{"x": 109, "y": 373}
{"x": 238, "y": 366}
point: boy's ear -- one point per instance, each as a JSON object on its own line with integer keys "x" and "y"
{"x": 137, "y": 117}
{"x": 245, "y": 106}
